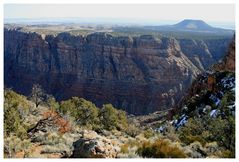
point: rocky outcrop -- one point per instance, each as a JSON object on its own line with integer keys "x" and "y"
{"x": 94, "y": 146}
{"x": 228, "y": 62}
{"x": 138, "y": 74}
{"x": 211, "y": 85}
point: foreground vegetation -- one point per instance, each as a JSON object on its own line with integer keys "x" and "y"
{"x": 39, "y": 126}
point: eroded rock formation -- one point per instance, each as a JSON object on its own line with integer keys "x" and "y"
{"x": 228, "y": 62}
{"x": 138, "y": 74}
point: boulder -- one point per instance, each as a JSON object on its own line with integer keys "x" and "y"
{"x": 97, "y": 147}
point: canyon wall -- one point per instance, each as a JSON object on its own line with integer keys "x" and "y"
{"x": 138, "y": 74}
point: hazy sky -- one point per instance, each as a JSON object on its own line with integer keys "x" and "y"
{"x": 206, "y": 12}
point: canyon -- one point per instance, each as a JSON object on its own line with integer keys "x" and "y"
{"x": 139, "y": 74}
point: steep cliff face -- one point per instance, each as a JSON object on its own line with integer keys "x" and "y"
{"x": 212, "y": 84}
{"x": 228, "y": 62}
{"x": 140, "y": 74}
{"x": 204, "y": 53}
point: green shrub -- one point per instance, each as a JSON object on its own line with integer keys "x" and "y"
{"x": 108, "y": 117}
{"x": 66, "y": 107}
{"x": 12, "y": 120}
{"x": 52, "y": 103}
{"x": 15, "y": 109}
{"x": 111, "y": 118}
{"x": 160, "y": 149}
{"x": 122, "y": 120}
{"x": 227, "y": 154}
{"x": 206, "y": 130}
{"x": 170, "y": 132}
{"x": 124, "y": 148}
{"x": 13, "y": 144}
{"x": 132, "y": 130}
{"x": 52, "y": 139}
{"x": 84, "y": 112}
{"x": 148, "y": 133}
{"x": 21, "y": 132}
{"x": 192, "y": 132}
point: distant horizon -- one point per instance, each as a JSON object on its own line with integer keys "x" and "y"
{"x": 109, "y": 21}
{"x": 146, "y": 14}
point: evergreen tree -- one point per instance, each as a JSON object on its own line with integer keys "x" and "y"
{"x": 52, "y": 103}
{"x": 108, "y": 117}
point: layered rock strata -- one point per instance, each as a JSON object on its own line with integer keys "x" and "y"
{"x": 138, "y": 74}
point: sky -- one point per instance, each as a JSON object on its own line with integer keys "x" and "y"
{"x": 215, "y": 13}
